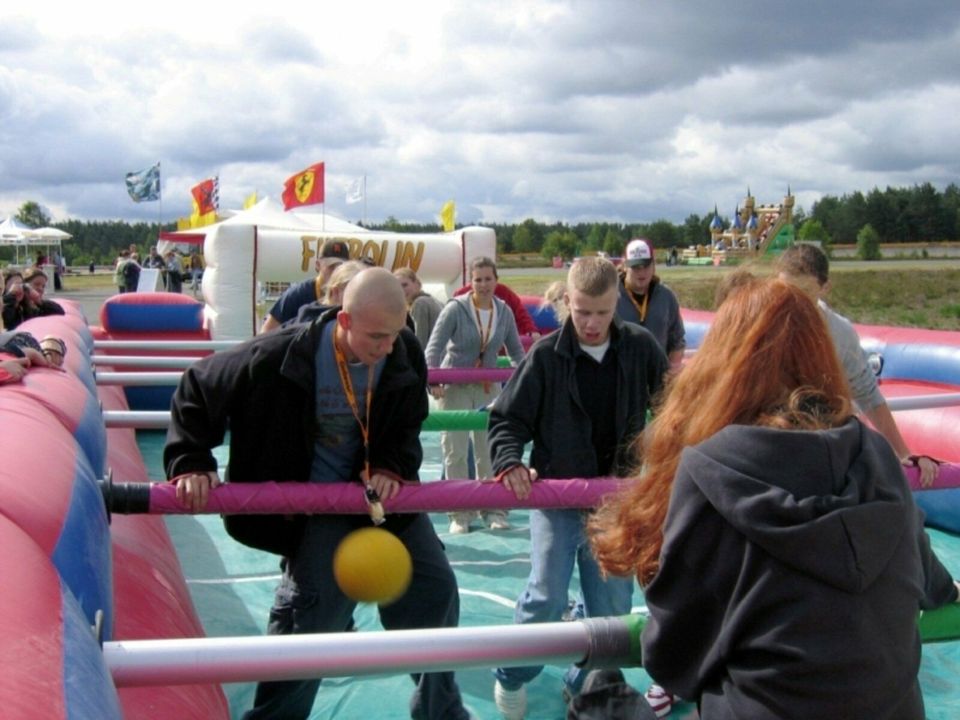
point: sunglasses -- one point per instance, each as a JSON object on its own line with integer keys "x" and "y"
{"x": 640, "y": 264}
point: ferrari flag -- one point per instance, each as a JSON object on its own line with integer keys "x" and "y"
{"x": 304, "y": 188}
{"x": 206, "y": 196}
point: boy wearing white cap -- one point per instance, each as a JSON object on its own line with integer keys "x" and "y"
{"x": 646, "y": 301}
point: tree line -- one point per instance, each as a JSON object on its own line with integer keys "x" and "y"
{"x": 917, "y": 214}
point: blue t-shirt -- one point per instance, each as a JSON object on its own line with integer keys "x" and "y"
{"x": 338, "y": 442}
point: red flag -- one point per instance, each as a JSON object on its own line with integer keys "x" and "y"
{"x": 304, "y": 188}
{"x": 205, "y": 196}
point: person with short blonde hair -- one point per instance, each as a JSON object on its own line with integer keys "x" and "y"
{"x": 580, "y": 397}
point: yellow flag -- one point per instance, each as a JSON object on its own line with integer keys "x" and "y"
{"x": 448, "y": 215}
{"x": 198, "y": 219}
{"x": 250, "y": 200}
{"x": 184, "y": 223}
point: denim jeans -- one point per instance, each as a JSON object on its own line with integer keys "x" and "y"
{"x": 455, "y": 444}
{"x": 557, "y": 541}
{"x": 308, "y": 600}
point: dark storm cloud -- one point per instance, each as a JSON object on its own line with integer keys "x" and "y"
{"x": 619, "y": 110}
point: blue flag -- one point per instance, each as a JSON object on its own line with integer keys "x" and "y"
{"x": 144, "y": 186}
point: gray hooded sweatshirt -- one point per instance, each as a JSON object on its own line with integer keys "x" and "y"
{"x": 793, "y": 569}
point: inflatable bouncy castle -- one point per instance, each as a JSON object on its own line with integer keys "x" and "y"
{"x": 265, "y": 245}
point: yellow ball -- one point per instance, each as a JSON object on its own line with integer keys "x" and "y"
{"x": 372, "y": 565}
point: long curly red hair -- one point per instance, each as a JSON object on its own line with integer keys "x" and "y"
{"x": 767, "y": 359}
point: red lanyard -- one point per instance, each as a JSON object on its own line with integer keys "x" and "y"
{"x": 376, "y": 509}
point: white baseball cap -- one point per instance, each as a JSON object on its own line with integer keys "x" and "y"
{"x": 639, "y": 252}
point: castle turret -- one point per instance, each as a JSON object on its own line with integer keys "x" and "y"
{"x": 716, "y": 227}
{"x": 788, "y": 206}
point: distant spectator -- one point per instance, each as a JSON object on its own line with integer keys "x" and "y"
{"x": 23, "y": 297}
{"x": 35, "y": 285}
{"x": 424, "y": 308}
{"x": 121, "y": 263}
{"x": 13, "y": 298}
{"x": 58, "y": 271}
{"x": 174, "y": 272}
{"x": 131, "y": 273}
{"x": 196, "y": 271}
{"x": 155, "y": 261}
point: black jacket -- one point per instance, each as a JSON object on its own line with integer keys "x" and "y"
{"x": 15, "y": 312}
{"x": 793, "y": 569}
{"x": 264, "y": 390}
{"x": 541, "y": 402}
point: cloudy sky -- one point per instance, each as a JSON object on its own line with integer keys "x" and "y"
{"x": 570, "y": 111}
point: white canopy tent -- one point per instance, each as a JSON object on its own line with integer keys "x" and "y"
{"x": 21, "y": 237}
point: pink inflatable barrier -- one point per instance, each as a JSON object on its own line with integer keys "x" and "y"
{"x": 52, "y": 665}
{"x": 65, "y": 570}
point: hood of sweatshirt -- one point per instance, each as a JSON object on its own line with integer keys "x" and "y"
{"x": 822, "y": 502}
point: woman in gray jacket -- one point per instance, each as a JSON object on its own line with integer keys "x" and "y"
{"x": 469, "y": 333}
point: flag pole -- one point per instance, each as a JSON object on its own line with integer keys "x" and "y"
{"x": 160, "y": 204}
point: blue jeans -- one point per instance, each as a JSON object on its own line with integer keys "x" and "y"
{"x": 557, "y": 541}
{"x": 308, "y": 600}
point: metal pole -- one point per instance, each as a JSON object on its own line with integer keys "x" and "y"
{"x": 140, "y": 419}
{"x": 434, "y": 375}
{"x": 165, "y": 344}
{"x": 145, "y": 361}
{"x": 601, "y": 641}
{"x": 921, "y": 402}
{"x": 138, "y": 379}
{"x": 159, "y": 419}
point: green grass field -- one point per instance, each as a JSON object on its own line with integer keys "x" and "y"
{"x": 897, "y": 293}
{"x": 907, "y": 293}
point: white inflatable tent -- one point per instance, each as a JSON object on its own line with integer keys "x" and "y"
{"x": 241, "y": 252}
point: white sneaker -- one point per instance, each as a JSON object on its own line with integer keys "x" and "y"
{"x": 512, "y": 704}
{"x": 459, "y": 528}
{"x": 498, "y": 522}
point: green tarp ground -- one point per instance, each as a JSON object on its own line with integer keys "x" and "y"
{"x": 232, "y": 588}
